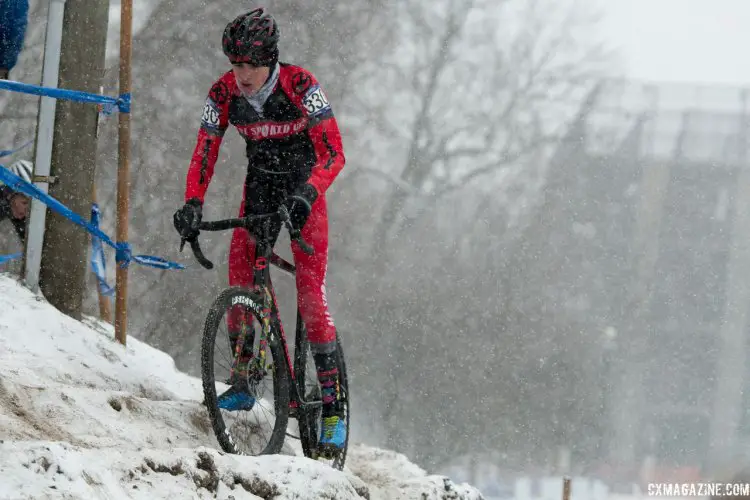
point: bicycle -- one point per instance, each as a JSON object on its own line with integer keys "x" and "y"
{"x": 296, "y": 393}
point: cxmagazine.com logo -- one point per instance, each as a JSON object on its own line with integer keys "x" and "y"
{"x": 698, "y": 489}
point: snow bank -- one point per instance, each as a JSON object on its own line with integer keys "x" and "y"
{"x": 390, "y": 475}
{"x": 43, "y": 470}
{"x": 83, "y": 417}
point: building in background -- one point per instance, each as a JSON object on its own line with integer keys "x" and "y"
{"x": 646, "y": 228}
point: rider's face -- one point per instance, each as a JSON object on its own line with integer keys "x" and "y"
{"x": 19, "y": 206}
{"x": 250, "y": 78}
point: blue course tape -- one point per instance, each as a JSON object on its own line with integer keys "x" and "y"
{"x": 6, "y": 258}
{"x": 122, "y": 249}
{"x": 98, "y": 261}
{"x": 8, "y": 152}
{"x": 122, "y": 102}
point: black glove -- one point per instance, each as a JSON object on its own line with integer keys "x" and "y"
{"x": 187, "y": 220}
{"x": 299, "y": 206}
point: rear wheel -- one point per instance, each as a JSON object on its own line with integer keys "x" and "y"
{"x": 262, "y": 429}
{"x": 310, "y": 417}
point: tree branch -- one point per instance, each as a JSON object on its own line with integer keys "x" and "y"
{"x": 396, "y": 181}
{"x": 496, "y": 164}
{"x": 438, "y": 65}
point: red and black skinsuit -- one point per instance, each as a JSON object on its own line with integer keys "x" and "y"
{"x": 294, "y": 141}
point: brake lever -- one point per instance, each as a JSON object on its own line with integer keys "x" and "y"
{"x": 202, "y": 260}
{"x": 196, "y": 248}
{"x": 294, "y": 234}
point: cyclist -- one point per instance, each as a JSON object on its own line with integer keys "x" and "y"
{"x": 295, "y": 152}
{"x": 15, "y": 205}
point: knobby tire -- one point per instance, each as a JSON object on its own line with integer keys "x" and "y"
{"x": 281, "y": 379}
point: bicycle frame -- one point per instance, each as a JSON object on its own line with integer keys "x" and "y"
{"x": 262, "y": 285}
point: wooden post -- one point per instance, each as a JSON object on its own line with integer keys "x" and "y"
{"x": 123, "y": 174}
{"x": 566, "y": 488}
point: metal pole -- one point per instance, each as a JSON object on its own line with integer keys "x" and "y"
{"x": 123, "y": 175}
{"x": 43, "y": 155}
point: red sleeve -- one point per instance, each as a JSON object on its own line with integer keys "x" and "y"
{"x": 214, "y": 123}
{"x": 329, "y": 151}
{"x": 323, "y": 130}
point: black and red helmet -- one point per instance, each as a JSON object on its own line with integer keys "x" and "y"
{"x": 253, "y": 38}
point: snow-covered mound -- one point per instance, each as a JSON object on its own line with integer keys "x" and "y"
{"x": 390, "y": 475}
{"x": 83, "y": 417}
{"x": 44, "y": 470}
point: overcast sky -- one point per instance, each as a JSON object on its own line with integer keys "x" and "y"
{"x": 700, "y": 41}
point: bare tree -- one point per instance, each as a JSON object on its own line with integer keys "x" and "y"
{"x": 475, "y": 102}
{"x": 470, "y": 92}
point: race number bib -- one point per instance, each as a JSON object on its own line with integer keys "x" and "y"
{"x": 210, "y": 117}
{"x": 315, "y": 102}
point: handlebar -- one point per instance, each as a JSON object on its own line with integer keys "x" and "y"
{"x": 244, "y": 222}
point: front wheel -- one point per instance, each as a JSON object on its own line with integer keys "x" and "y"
{"x": 307, "y": 385}
{"x": 259, "y": 428}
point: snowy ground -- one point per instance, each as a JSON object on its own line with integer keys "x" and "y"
{"x": 83, "y": 417}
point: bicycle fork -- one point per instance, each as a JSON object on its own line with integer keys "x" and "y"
{"x": 265, "y": 331}
{"x": 257, "y": 364}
